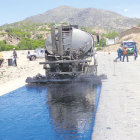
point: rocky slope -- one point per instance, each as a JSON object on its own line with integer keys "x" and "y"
{"x": 88, "y": 17}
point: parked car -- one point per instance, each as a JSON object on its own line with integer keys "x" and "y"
{"x": 130, "y": 45}
{"x": 38, "y": 53}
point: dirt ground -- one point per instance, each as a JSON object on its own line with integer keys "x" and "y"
{"x": 25, "y": 68}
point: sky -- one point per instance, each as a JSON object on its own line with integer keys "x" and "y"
{"x": 16, "y": 10}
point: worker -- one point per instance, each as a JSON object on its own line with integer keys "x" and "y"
{"x": 135, "y": 53}
{"x": 15, "y": 56}
{"x": 1, "y": 58}
{"x": 119, "y": 51}
{"x": 125, "y": 53}
{"x": 28, "y": 55}
{"x": 98, "y": 39}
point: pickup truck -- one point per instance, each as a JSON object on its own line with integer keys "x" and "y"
{"x": 38, "y": 53}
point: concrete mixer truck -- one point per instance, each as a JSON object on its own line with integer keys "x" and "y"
{"x": 69, "y": 56}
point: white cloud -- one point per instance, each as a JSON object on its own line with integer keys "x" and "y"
{"x": 125, "y": 10}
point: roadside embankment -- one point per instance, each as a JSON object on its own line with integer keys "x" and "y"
{"x": 118, "y": 114}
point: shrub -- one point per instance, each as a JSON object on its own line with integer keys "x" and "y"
{"x": 102, "y": 43}
{"x": 45, "y": 29}
{"x": 10, "y": 47}
{"x": 17, "y": 32}
{"x": 51, "y": 24}
{"x": 39, "y": 36}
{"x": 4, "y": 47}
{"x": 2, "y": 34}
{"x": 112, "y": 35}
{"x": 28, "y": 44}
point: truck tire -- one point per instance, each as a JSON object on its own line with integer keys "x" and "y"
{"x": 33, "y": 58}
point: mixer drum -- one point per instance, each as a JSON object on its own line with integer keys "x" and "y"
{"x": 79, "y": 40}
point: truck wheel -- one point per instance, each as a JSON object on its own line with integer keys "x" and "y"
{"x": 33, "y": 58}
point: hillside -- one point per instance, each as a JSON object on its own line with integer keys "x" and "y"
{"x": 87, "y": 17}
{"x": 31, "y": 35}
{"x": 32, "y": 32}
{"x": 23, "y": 35}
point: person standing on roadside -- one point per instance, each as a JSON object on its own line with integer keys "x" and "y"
{"x": 15, "y": 56}
{"x": 119, "y": 51}
{"x": 125, "y": 53}
{"x": 98, "y": 39}
{"x": 135, "y": 53}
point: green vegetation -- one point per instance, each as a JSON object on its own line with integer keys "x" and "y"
{"x": 18, "y": 33}
{"x": 102, "y": 43}
{"x": 24, "y": 25}
{"x": 50, "y": 25}
{"x": 25, "y": 44}
{"x": 28, "y": 44}
{"x": 89, "y": 30}
{"x": 32, "y": 35}
{"x": 45, "y": 29}
{"x": 2, "y": 34}
{"x": 99, "y": 48}
{"x": 28, "y": 33}
{"x": 5, "y": 47}
{"x": 39, "y": 36}
{"x": 112, "y": 35}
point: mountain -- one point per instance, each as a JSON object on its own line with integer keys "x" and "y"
{"x": 87, "y": 17}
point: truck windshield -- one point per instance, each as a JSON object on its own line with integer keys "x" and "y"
{"x": 130, "y": 44}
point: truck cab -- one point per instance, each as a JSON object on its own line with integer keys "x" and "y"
{"x": 130, "y": 45}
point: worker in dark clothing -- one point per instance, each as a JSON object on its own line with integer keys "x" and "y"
{"x": 119, "y": 51}
{"x": 15, "y": 56}
{"x": 125, "y": 53}
{"x": 135, "y": 53}
{"x": 98, "y": 39}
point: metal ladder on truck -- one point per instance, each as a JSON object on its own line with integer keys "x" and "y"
{"x": 65, "y": 39}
